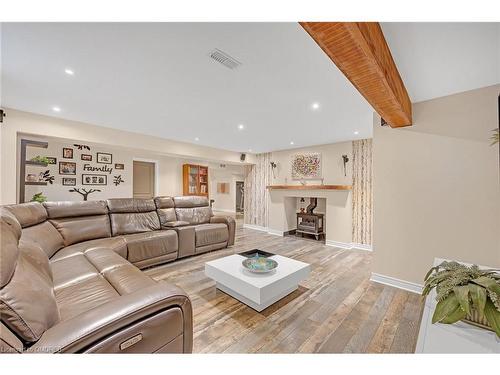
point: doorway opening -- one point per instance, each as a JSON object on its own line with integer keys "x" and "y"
{"x": 240, "y": 198}
{"x": 144, "y": 179}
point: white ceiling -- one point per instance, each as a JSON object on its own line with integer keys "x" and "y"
{"x": 438, "y": 59}
{"x": 157, "y": 78}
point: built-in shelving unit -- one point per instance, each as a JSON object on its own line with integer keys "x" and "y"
{"x": 25, "y": 143}
{"x": 195, "y": 180}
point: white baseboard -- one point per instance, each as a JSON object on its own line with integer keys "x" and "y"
{"x": 342, "y": 245}
{"x": 348, "y": 245}
{"x": 397, "y": 283}
{"x": 275, "y": 232}
{"x": 223, "y": 210}
{"x": 361, "y": 246}
{"x": 264, "y": 229}
{"x": 255, "y": 227}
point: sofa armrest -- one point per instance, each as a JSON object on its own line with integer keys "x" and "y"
{"x": 92, "y": 327}
{"x": 231, "y": 226}
{"x": 175, "y": 224}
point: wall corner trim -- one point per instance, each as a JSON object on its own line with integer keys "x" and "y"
{"x": 348, "y": 245}
{"x": 397, "y": 283}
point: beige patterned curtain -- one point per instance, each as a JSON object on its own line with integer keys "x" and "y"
{"x": 362, "y": 198}
{"x": 256, "y": 203}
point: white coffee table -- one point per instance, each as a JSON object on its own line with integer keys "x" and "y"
{"x": 258, "y": 291}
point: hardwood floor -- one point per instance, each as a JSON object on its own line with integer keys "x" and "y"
{"x": 336, "y": 310}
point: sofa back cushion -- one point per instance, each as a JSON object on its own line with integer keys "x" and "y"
{"x": 193, "y": 209}
{"x": 165, "y": 208}
{"x": 36, "y": 229}
{"x": 28, "y": 214}
{"x": 129, "y": 215}
{"x": 27, "y": 303}
{"x": 79, "y": 221}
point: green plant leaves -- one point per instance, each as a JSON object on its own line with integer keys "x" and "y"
{"x": 478, "y": 296}
{"x": 454, "y": 317}
{"x": 488, "y": 283}
{"x": 493, "y": 316}
{"x": 462, "y": 294}
{"x": 447, "y": 308}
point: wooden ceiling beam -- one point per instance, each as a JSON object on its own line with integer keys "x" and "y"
{"x": 360, "y": 51}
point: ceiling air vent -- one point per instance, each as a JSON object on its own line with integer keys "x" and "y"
{"x": 224, "y": 59}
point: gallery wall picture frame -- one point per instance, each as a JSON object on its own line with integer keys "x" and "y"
{"x": 86, "y": 157}
{"x": 67, "y": 153}
{"x": 104, "y": 158}
{"x": 67, "y": 167}
{"x": 119, "y": 166}
{"x": 51, "y": 160}
{"x": 94, "y": 179}
{"x": 69, "y": 181}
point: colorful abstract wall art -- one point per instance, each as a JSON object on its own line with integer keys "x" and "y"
{"x": 306, "y": 166}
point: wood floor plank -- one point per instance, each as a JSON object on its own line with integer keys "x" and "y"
{"x": 383, "y": 338}
{"x": 363, "y": 336}
{"x": 336, "y": 309}
{"x": 408, "y": 326}
{"x": 337, "y": 342}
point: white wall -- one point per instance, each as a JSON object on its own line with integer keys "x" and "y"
{"x": 170, "y": 153}
{"x": 338, "y": 205}
{"x": 332, "y": 165}
{"x": 169, "y": 170}
{"x": 436, "y": 186}
{"x": 57, "y": 191}
{"x": 229, "y": 174}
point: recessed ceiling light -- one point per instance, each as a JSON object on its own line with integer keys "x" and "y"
{"x": 356, "y": 132}
{"x": 56, "y": 109}
{"x": 241, "y": 126}
{"x": 315, "y": 106}
{"x": 292, "y": 143}
{"x": 69, "y": 72}
{"x": 197, "y": 139}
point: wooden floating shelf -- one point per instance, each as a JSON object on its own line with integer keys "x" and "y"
{"x": 309, "y": 187}
{"x": 35, "y": 183}
{"x": 36, "y": 163}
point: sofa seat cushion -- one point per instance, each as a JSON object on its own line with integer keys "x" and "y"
{"x": 175, "y": 224}
{"x": 85, "y": 281}
{"x": 142, "y": 246}
{"x": 83, "y": 296}
{"x": 208, "y": 234}
{"x": 117, "y": 244}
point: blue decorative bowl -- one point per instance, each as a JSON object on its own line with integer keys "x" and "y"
{"x": 260, "y": 264}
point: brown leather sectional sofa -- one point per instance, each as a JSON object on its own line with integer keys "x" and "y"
{"x": 71, "y": 279}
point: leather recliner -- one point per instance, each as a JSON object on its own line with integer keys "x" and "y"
{"x": 70, "y": 280}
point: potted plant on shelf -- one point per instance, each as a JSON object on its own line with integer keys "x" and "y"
{"x": 39, "y": 197}
{"x": 465, "y": 293}
{"x": 41, "y": 159}
{"x": 495, "y": 138}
